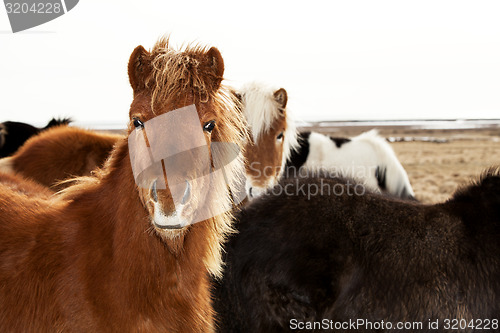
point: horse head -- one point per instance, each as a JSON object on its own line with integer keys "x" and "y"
{"x": 272, "y": 135}
{"x": 183, "y": 136}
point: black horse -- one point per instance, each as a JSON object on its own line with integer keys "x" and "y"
{"x": 14, "y": 134}
{"x": 351, "y": 262}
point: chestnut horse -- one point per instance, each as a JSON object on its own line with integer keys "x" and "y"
{"x": 59, "y": 154}
{"x": 14, "y": 134}
{"x": 109, "y": 255}
{"x": 315, "y": 262}
{"x": 273, "y": 135}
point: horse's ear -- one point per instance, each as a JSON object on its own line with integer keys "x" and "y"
{"x": 139, "y": 67}
{"x": 216, "y": 66}
{"x": 281, "y": 97}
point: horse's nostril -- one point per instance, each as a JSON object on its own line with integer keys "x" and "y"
{"x": 154, "y": 193}
{"x": 250, "y": 192}
{"x": 187, "y": 193}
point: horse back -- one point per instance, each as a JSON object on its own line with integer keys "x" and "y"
{"x": 62, "y": 152}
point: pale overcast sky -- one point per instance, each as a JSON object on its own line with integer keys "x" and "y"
{"x": 338, "y": 60}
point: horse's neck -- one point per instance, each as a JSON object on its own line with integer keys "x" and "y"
{"x": 115, "y": 203}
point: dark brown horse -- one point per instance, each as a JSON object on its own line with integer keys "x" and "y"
{"x": 100, "y": 257}
{"x": 318, "y": 255}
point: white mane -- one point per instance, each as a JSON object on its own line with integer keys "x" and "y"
{"x": 259, "y": 107}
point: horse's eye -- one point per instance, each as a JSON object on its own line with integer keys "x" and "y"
{"x": 280, "y": 136}
{"x": 138, "y": 123}
{"x": 209, "y": 126}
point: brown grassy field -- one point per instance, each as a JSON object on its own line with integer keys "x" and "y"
{"x": 451, "y": 159}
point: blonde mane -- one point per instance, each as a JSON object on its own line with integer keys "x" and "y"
{"x": 175, "y": 72}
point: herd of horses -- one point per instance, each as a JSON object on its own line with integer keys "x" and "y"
{"x": 84, "y": 246}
